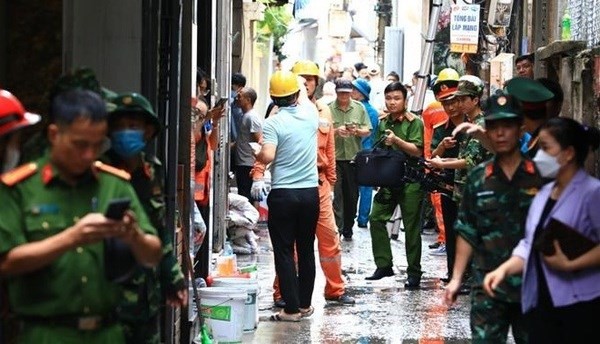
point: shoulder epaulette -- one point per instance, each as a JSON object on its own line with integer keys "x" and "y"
{"x": 440, "y": 124}
{"x": 529, "y": 166}
{"x": 489, "y": 169}
{"x": 19, "y": 174}
{"x": 112, "y": 170}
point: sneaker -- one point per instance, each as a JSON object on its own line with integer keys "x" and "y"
{"x": 435, "y": 245}
{"x": 342, "y": 299}
{"x": 440, "y": 251}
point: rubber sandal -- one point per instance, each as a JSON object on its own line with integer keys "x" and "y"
{"x": 282, "y": 316}
{"x": 306, "y": 312}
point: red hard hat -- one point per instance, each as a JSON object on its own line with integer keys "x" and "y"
{"x": 13, "y": 115}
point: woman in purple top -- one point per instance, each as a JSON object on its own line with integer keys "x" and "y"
{"x": 562, "y": 296}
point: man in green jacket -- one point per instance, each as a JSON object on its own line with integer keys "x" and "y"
{"x": 53, "y": 231}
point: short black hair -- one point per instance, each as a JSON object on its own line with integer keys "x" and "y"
{"x": 528, "y": 57}
{"x": 394, "y": 75}
{"x": 238, "y": 79}
{"x": 359, "y": 66}
{"x": 395, "y": 86}
{"x": 285, "y": 101}
{"x": 77, "y": 103}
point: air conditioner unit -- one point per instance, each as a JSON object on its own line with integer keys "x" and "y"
{"x": 500, "y": 12}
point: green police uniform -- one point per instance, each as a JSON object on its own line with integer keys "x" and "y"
{"x": 145, "y": 292}
{"x": 409, "y": 197}
{"x": 474, "y": 153}
{"x": 62, "y": 302}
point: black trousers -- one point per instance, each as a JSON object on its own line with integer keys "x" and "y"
{"x": 570, "y": 324}
{"x": 345, "y": 197}
{"x": 293, "y": 215}
{"x": 450, "y": 213}
{"x": 243, "y": 181}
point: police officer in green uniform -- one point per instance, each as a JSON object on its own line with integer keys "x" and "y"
{"x": 491, "y": 222}
{"x": 404, "y": 132}
{"x": 131, "y": 125}
{"x": 53, "y": 231}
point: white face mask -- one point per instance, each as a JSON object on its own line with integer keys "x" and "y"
{"x": 11, "y": 159}
{"x": 546, "y": 163}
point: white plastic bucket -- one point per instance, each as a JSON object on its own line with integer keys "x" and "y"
{"x": 250, "y": 286}
{"x": 223, "y": 311}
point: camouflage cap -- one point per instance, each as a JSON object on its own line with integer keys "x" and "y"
{"x": 470, "y": 85}
{"x": 132, "y": 102}
{"x": 502, "y": 106}
{"x": 528, "y": 90}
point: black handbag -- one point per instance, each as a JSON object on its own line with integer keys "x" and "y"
{"x": 380, "y": 166}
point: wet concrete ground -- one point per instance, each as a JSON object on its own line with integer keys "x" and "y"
{"x": 384, "y": 312}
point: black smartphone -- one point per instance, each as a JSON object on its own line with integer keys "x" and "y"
{"x": 117, "y": 208}
{"x": 221, "y": 102}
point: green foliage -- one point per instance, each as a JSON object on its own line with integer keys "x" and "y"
{"x": 275, "y": 24}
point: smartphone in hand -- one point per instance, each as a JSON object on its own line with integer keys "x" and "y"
{"x": 221, "y": 102}
{"x": 117, "y": 208}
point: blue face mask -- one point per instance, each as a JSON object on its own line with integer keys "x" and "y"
{"x": 127, "y": 143}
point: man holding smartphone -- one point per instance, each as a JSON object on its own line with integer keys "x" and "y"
{"x": 52, "y": 230}
{"x": 351, "y": 123}
{"x": 249, "y": 130}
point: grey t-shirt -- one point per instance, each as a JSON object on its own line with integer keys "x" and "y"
{"x": 250, "y": 124}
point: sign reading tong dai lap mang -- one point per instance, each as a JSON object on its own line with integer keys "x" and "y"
{"x": 464, "y": 28}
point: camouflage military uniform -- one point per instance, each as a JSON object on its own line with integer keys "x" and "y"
{"x": 145, "y": 292}
{"x": 492, "y": 220}
{"x": 474, "y": 153}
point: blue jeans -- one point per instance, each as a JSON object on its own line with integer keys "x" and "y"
{"x": 364, "y": 204}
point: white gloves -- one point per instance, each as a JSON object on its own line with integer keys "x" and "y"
{"x": 332, "y": 196}
{"x": 259, "y": 190}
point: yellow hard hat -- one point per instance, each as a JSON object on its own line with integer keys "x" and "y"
{"x": 283, "y": 84}
{"x": 447, "y": 74}
{"x": 305, "y": 67}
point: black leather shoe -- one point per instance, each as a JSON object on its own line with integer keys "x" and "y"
{"x": 394, "y": 236}
{"x": 279, "y": 303}
{"x": 412, "y": 283}
{"x": 347, "y": 234}
{"x": 435, "y": 245}
{"x": 381, "y": 273}
{"x": 362, "y": 225}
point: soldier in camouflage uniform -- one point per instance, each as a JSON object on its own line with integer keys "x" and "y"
{"x": 131, "y": 125}
{"x": 470, "y": 153}
{"x": 491, "y": 221}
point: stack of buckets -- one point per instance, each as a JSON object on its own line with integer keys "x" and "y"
{"x": 229, "y": 308}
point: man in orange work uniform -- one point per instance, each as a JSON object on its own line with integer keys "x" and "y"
{"x": 330, "y": 253}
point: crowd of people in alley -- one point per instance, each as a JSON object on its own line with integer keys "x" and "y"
{"x": 519, "y": 194}
{"x": 86, "y": 255}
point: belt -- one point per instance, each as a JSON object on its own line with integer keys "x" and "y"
{"x": 85, "y": 323}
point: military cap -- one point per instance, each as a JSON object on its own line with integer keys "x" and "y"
{"x": 528, "y": 90}
{"x": 134, "y": 103}
{"x": 470, "y": 85}
{"x": 502, "y": 106}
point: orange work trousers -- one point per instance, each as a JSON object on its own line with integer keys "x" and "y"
{"x": 328, "y": 243}
{"x": 436, "y": 202}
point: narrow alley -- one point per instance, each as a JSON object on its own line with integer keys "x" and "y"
{"x": 384, "y": 312}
